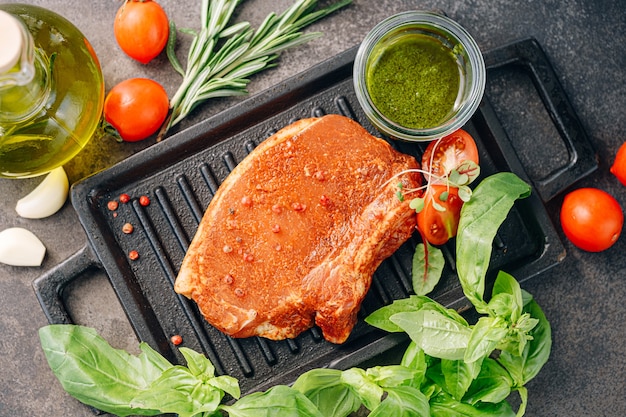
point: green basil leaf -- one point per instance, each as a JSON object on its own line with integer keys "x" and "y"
{"x": 179, "y": 391}
{"x": 403, "y": 402}
{"x": 443, "y": 405}
{"x": 501, "y": 305}
{"x": 97, "y": 374}
{"x": 197, "y": 363}
{"x": 396, "y": 375}
{"x": 202, "y": 368}
{"x": 428, "y": 263}
{"x": 523, "y": 395}
{"x": 380, "y": 317}
{"x": 458, "y": 376}
{"x": 414, "y": 358}
{"x": 363, "y": 386}
{"x": 536, "y": 352}
{"x": 493, "y": 384}
{"x": 507, "y": 284}
{"x": 327, "y": 392}
{"x": 278, "y": 401}
{"x": 435, "y": 333}
{"x": 486, "y": 334}
{"x": 227, "y": 384}
{"x": 480, "y": 219}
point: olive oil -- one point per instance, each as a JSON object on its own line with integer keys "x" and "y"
{"x": 45, "y": 122}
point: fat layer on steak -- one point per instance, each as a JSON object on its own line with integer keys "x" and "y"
{"x": 294, "y": 234}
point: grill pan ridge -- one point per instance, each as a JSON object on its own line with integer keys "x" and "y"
{"x": 181, "y": 175}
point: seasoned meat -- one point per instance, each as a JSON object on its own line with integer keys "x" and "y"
{"x": 295, "y": 232}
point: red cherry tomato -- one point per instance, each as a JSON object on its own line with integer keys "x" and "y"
{"x": 438, "y": 226}
{"x": 141, "y": 28}
{"x": 619, "y": 165}
{"x": 591, "y": 219}
{"x": 136, "y": 108}
{"x": 444, "y": 155}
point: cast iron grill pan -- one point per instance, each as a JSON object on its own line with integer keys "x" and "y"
{"x": 181, "y": 174}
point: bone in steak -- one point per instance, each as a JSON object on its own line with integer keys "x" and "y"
{"x": 294, "y": 234}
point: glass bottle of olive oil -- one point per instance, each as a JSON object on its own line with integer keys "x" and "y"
{"x": 51, "y": 91}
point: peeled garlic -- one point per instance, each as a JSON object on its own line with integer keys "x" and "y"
{"x": 47, "y": 198}
{"x": 20, "y": 247}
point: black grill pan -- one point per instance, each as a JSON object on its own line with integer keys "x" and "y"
{"x": 181, "y": 174}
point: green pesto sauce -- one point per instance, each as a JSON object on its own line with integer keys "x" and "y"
{"x": 414, "y": 81}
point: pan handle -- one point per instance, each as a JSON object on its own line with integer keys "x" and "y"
{"x": 49, "y": 287}
{"x": 583, "y": 160}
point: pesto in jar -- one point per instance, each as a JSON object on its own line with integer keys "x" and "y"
{"x": 413, "y": 81}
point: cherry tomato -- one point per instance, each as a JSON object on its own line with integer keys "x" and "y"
{"x": 591, "y": 219}
{"x": 448, "y": 153}
{"x": 619, "y": 165}
{"x": 141, "y": 29}
{"x": 435, "y": 225}
{"x": 136, "y": 108}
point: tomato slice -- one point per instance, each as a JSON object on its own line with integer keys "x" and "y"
{"x": 438, "y": 226}
{"x": 448, "y": 153}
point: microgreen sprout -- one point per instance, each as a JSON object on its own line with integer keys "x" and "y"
{"x": 460, "y": 177}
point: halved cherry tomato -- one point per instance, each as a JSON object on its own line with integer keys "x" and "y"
{"x": 619, "y": 165}
{"x": 438, "y": 226}
{"x": 141, "y": 28}
{"x": 444, "y": 155}
{"x": 591, "y": 219}
{"x": 136, "y": 108}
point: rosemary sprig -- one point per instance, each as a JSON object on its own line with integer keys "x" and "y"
{"x": 222, "y": 58}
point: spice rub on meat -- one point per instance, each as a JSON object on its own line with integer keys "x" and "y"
{"x": 294, "y": 234}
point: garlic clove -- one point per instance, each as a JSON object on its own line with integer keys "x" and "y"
{"x": 47, "y": 198}
{"x": 20, "y": 247}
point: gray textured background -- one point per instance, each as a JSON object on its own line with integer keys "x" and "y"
{"x": 584, "y": 297}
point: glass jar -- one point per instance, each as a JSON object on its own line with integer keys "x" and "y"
{"x": 51, "y": 91}
{"x": 419, "y": 76}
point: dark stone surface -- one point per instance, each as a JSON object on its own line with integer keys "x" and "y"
{"x": 584, "y": 297}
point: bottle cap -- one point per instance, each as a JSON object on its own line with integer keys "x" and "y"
{"x": 11, "y": 41}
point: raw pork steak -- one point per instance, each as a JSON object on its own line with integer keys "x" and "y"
{"x": 295, "y": 232}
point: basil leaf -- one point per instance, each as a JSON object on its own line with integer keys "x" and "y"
{"x": 414, "y": 358}
{"x": 428, "y": 263}
{"x": 523, "y": 395}
{"x": 458, "y": 376}
{"x": 201, "y": 367}
{"x": 327, "y": 392}
{"x": 97, "y": 374}
{"x": 363, "y": 386}
{"x": 493, "y": 384}
{"x": 380, "y": 317}
{"x": 481, "y": 218}
{"x": 179, "y": 391}
{"x": 502, "y": 305}
{"x": 403, "y": 402}
{"x": 507, "y": 284}
{"x": 278, "y": 401}
{"x": 486, "y": 334}
{"x": 525, "y": 367}
{"x": 197, "y": 363}
{"x": 443, "y": 405}
{"x": 437, "y": 334}
{"x": 395, "y": 376}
